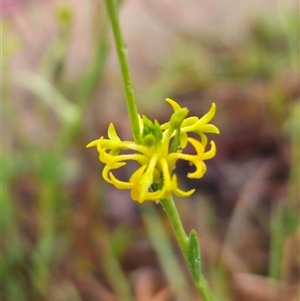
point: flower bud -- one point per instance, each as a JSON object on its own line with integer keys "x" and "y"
{"x": 152, "y": 133}
{"x": 177, "y": 118}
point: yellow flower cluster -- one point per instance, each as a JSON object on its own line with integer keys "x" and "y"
{"x": 162, "y": 145}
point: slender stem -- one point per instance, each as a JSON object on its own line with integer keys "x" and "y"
{"x": 172, "y": 213}
{"x": 163, "y": 248}
{"x": 123, "y": 61}
{"x": 204, "y": 290}
{"x": 183, "y": 241}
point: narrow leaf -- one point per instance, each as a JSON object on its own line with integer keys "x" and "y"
{"x": 194, "y": 257}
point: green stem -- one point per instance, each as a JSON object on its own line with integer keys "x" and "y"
{"x": 172, "y": 213}
{"x": 123, "y": 61}
{"x": 183, "y": 241}
{"x": 204, "y": 290}
{"x": 163, "y": 248}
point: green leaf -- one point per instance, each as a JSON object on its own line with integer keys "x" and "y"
{"x": 194, "y": 257}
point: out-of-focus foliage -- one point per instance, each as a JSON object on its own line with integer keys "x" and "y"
{"x": 265, "y": 52}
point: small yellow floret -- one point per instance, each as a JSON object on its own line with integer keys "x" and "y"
{"x": 155, "y": 178}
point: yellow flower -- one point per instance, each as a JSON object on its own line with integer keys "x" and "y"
{"x": 162, "y": 146}
{"x": 194, "y": 124}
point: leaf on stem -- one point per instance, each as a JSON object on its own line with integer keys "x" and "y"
{"x": 194, "y": 257}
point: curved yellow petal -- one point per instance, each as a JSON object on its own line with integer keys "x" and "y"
{"x": 118, "y": 183}
{"x": 112, "y": 134}
{"x": 146, "y": 179}
{"x": 99, "y": 146}
{"x": 180, "y": 192}
{"x": 135, "y": 157}
{"x": 112, "y": 144}
{"x": 203, "y": 139}
{"x": 200, "y": 170}
{"x": 211, "y": 153}
{"x": 156, "y": 175}
{"x": 141, "y": 123}
{"x": 183, "y": 140}
{"x": 106, "y": 158}
{"x": 135, "y": 181}
{"x": 194, "y": 124}
{"x": 129, "y": 145}
{"x": 152, "y": 196}
{"x": 107, "y": 168}
{"x": 190, "y": 121}
{"x": 174, "y": 104}
{"x": 136, "y": 176}
{"x": 209, "y": 115}
{"x": 172, "y": 159}
{"x": 198, "y": 146}
{"x": 193, "y": 159}
{"x": 208, "y": 128}
{"x": 166, "y": 174}
{"x": 93, "y": 143}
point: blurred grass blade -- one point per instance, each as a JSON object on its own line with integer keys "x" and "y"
{"x": 162, "y": 245}
{"x": 94, "y": 72}
{"x": 114, "y": 247}
{"x": 67, "y": 111}
{"x": 90, "y": 79}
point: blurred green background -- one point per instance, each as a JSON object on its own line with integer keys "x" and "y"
{"x": 67, "y": 235}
